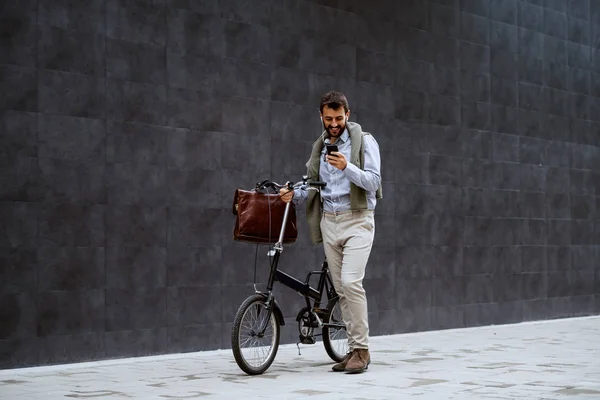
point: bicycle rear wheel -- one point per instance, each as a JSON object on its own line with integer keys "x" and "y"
{"x": 253, "y": 350}
{"x": 335, "y": 338}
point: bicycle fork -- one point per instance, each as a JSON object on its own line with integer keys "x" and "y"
{"x": 269, "y": 304}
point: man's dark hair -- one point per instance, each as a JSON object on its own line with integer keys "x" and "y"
{"x": 334, "y": 100}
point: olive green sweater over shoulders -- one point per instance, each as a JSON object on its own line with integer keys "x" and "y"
{"x": 358, "y": 196}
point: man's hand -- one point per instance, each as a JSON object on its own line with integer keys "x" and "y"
{"x": 286, "y": 194}
{"x": 338, "y": 160}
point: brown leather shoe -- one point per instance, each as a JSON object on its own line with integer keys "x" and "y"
{"x": 341, "y": 366}
{"x": 359, "y": 361}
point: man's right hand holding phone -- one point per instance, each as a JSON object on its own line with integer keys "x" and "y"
{"x": 335, "y": 158}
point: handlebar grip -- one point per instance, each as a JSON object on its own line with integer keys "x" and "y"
{"x": 317, "y": 183}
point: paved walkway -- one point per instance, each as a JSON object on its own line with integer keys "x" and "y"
{"x": 557, "y": 359}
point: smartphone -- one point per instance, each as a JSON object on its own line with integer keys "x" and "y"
{"x": 331, "y": 148}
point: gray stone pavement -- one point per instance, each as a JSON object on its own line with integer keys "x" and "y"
{"x": 558, "y": 359}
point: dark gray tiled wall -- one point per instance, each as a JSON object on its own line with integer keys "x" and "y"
{"x": 126, "y": 126}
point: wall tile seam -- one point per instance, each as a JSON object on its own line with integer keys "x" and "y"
{"x": 41, "y": 71}
{"x": 496, "y": 219}
{"x": 269, "y": 64}
{"x": 142, "y": 82}
{"x": 385, "y": 85}
{"x": 303, "y": 106}
{"x": 142, "y": 124}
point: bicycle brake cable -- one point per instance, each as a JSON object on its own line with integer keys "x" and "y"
{"x": 255, "y": 263}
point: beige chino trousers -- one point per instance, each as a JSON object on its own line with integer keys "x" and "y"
{"x": 347, "y": 240}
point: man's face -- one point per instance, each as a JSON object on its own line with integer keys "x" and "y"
{"x": 334, "y": 121}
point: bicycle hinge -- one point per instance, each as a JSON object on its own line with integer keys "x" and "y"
{"x": 271, "y": 253}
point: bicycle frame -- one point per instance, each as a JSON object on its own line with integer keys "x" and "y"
{"x": 325, "y": 284}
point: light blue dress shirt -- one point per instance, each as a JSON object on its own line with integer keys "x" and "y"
{"x": 336, "y": 195}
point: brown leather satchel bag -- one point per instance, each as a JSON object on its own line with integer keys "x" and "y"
{"x": 254, "y": 210}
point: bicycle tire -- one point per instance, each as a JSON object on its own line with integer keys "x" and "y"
{"x": 335, "y": 340}
{"x": 251, "y": 309}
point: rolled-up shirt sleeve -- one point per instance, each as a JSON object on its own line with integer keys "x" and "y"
{"x": 300, "y": 195}
{"x": 369, "y": 178}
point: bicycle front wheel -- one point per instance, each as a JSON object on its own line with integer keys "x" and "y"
{"x": 255, "y": 336}
{"x": 335, "y": 338}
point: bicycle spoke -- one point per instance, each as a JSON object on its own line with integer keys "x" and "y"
{"x": 245, "y": 342}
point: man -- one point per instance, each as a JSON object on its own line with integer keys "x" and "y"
{"x": 343, "y": 217}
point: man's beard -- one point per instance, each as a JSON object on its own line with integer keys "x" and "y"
{"x": 341, "y": 130}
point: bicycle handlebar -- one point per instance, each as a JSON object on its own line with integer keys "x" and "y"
{"x": 320, "y": 184}
{"x": 276, "y": 186}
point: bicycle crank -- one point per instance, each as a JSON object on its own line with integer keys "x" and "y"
{"x": 307, "y": 322}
